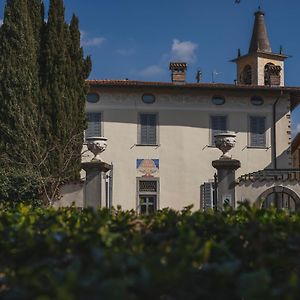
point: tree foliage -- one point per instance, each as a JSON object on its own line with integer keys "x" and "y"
{"x": 42, "y": 91}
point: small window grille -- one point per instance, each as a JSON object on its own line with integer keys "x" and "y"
{"x": 148, "y": 186}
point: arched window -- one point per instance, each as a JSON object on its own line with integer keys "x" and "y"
{"x": 247, "y": 75}
{"x": 280, "y": 200}
{"x": 268, "y": 68}
{"x": 272, "y": 74}
{"x": 279, "y": 197}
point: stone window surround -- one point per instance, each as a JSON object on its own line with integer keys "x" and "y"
{"x": 138, "y": 193}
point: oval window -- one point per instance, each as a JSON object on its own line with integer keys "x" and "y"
{"x": 148, "y": 98}
{"x": 218, "y": 100}
{"x": 256, "y": 100}
{"x": 92, "y": 97}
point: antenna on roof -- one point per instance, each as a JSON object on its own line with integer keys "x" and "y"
{"x": 198, "y": 75}
{"x": 213, "y": 74}
{"x": 281, "y": 49}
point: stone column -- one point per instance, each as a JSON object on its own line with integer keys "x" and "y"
{"x": 92, "y": 188}
{"x": 226, "y": 180}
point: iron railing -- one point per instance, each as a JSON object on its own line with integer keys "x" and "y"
{"x": 272, "y": 175}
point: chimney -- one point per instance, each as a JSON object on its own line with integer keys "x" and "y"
{"x": 178, "y": 70}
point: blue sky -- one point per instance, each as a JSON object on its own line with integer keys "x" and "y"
{"x": 136, "y": 39}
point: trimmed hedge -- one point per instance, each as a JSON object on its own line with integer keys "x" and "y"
{"x": 73, "y": 254}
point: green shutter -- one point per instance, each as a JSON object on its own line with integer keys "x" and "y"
{"x": 257, "y": 131}
{"x": 218, "y": 125}
{"x": 148, "y": 123}
{"x": 94, "y": 125}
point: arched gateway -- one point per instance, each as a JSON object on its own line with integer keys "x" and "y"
{"x": 279, "y": 197}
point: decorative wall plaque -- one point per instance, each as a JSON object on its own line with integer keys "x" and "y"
{"x": 147, "y": 167}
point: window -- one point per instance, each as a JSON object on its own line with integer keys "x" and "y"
{"x": 94, "y": 125}
{"x": 147, "y": 196}
{"x": 257, "y": 100}
{"x": 247, "y": 75}
{"x": 218, "y": 100}
{"x": 148, "y": 98}
{"x": 257, "y": 132}
{"x": 148, "y": 129}
{"x": 218, "y": 125}
{"x": 92, "y": 97}
{"x": 272, "y": 74}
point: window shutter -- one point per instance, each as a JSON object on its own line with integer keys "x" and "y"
{"x": 207, "y": 195}
{"x": 148, "y": 129}
{"x": 257, "y": 131}
{"x": 218, "y": 125}
{"x": 94, "y": 125}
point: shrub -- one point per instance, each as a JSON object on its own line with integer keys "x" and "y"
{"x": 20, "y": 186}
{"x": 74, "y": 254}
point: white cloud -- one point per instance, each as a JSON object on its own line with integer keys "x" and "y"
{"x": 152, "y": 71}
{"x": 126, "y": 52}
{"x": 87, "y": 41}
{"x": 298, "y": 128}
{"x": 183, "y": 51}
{"x": 1, "y": 22}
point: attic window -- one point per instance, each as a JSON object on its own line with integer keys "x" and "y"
{"x": 92, "y": 97}
{"x": 218, "y": 100}
{"x": 257, "y": 100}
{"x": 148, "y": 98}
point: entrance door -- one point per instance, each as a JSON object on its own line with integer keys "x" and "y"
{"x": 147, "y": 204}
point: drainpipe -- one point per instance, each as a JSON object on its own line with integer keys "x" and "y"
{"x": 274, "y": 130}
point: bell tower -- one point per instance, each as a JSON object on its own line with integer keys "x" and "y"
{"x": 260, "y": 66}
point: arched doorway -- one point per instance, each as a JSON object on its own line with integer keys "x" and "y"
{"x": 279, "y": 197}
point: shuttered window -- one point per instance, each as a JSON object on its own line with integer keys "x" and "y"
{"x": 257, "y": 131}
{"x": 218, "y": 125}
{"x": 148, "y": 128}
{"x": 94, "y": 125}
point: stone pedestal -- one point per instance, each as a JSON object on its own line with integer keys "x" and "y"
{"x": 92, "y": 188}
{"x": 226, "y": 181}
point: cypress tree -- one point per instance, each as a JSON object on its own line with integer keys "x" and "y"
{"x": 19, "y": 82}
{"x": 42, "y": 91}
{"x": 79, "y": 70}
{"x": 63, "y": 78}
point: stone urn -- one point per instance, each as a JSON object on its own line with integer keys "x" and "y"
{"x": 225, "y": 142}
{"x": 96, "y": 144}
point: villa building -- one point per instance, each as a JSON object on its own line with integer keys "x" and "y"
{"x": 161, "y": 134}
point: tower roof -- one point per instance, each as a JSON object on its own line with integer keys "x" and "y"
{"x": 260, "y": 41}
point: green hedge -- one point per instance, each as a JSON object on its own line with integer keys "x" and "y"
{"x": 73, "y": 254}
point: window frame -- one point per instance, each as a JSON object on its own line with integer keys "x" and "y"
{"x": 139, "y": 129}
{"x": 101, "y": 123}
{"x": 265, "y": 146}
{"x": 140, "y": 194}
{"x": 94, "y": 93}
{"x": 211, "y": 139}
{"x": 147, "y": 102}
{"x": 218, "y": 97}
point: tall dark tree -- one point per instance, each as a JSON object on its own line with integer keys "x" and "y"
{"x": 42, "y": 91}
{"x": 19, "y": 80}
{"x": 63, "y": 79}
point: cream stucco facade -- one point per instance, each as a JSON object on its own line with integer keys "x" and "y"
{"x": 184, "y": 147}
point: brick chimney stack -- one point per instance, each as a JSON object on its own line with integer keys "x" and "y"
{"x": 178, "y": 70}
